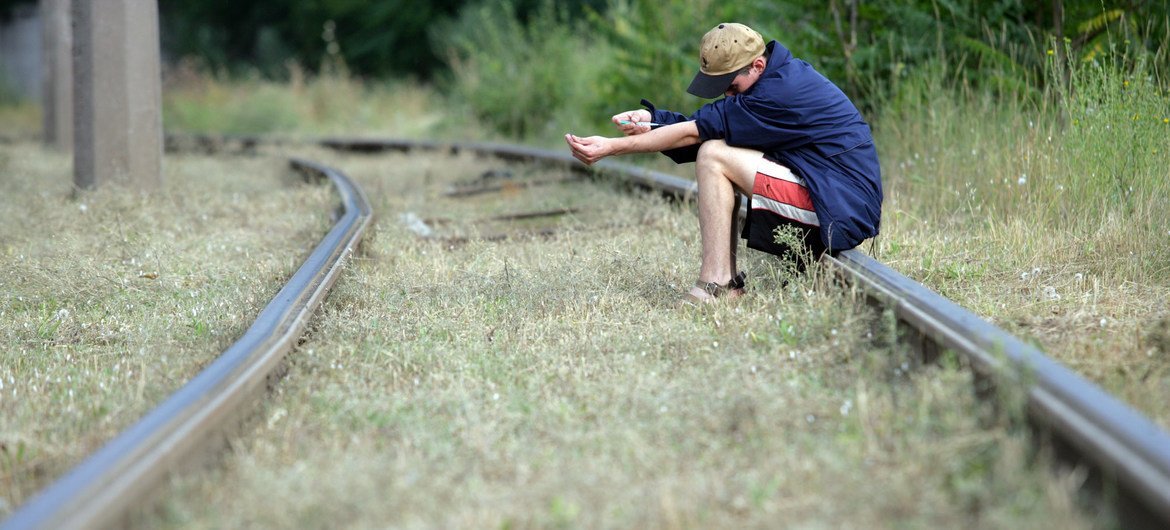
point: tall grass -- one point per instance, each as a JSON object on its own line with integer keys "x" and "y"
{"x": 1082, "y": 159}
{"x": 1045, "y": 214}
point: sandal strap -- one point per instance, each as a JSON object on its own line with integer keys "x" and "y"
{"x": 716, "y": 289}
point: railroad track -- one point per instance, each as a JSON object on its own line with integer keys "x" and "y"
{"x": 1129, "y": 454}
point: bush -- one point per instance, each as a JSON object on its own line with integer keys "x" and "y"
{"x": 529, "y": 80}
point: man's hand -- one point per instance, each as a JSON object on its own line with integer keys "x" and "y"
{"x": 628, "y": 122}
{"x": 591, "y": 149}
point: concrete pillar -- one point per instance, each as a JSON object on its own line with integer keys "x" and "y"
{"x": 57, "y": 73}
{"x": 117, "y": 98}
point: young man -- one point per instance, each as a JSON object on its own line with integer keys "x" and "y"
{"x": 783, "y": 133}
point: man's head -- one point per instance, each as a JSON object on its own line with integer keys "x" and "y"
{"x": 726, "y": 53}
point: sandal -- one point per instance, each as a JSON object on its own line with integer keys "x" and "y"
{"x": 715, "y": 290}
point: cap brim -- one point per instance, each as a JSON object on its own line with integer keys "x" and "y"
{"x": 711, "y": 86}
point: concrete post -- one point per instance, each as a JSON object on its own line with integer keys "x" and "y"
{"x": 57, "y": 73}
{"x": 117, "y": 98}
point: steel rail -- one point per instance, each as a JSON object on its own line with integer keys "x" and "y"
{"x": 1122, "y": 444}
{"x": 1130, "y": 453}
{"x": 102, "y": 490}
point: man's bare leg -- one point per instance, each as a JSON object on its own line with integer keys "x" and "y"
{"x": 720, "y": 170}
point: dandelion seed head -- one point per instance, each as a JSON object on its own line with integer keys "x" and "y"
{"x": 1022, "y": 180}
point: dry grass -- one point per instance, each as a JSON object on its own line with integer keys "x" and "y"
{"x": 110, "y": 300}
{"x": 552, "y": 382}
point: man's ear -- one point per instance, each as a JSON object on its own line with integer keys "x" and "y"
{"x": 760, "y": 63}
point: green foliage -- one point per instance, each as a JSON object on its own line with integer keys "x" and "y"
{"x": 373, "y": 38}
{"x": 529, "y": 79}
{"x": 656, "y": 49}
{"x": 265, "y": 109}
{"x": 535, "y": 68}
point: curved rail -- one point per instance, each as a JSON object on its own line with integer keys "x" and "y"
{"x": 1130, "y": 453}
{"x": 102, "y": 489}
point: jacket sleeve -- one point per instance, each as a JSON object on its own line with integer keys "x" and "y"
{"x": 680, "y": 155}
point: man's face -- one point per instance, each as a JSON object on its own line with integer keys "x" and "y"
{"x": 745, "y": 81}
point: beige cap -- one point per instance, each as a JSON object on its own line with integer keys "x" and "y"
{"x": 724, "y": 50}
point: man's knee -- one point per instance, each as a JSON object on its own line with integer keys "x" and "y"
{"x": 736, "y": 164}
{"x": 712, "y": 150}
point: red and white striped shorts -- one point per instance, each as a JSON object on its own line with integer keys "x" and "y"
{"x": 782, "y": 192}
{"x": 780, "y": 197}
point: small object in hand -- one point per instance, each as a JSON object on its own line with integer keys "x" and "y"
{"x": 640, "y": 123}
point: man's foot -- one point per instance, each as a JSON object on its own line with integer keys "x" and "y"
{"x": 709, "y": 292}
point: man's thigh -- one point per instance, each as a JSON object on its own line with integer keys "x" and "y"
{"x": 738, "y": 163}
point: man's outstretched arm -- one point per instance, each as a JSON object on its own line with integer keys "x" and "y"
{"x": 593, "y": 148}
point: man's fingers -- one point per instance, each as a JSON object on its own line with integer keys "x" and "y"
{"x": 577, "y": 147}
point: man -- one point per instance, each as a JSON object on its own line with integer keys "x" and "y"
{"x": 783, "y": 133}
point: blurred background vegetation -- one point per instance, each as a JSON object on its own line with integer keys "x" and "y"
{"x": 527, "y": 69}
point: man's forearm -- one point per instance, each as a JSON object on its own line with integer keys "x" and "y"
{"x": 664, "y": 138}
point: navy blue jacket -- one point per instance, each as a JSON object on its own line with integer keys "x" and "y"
{"x": 797, "y": 117}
